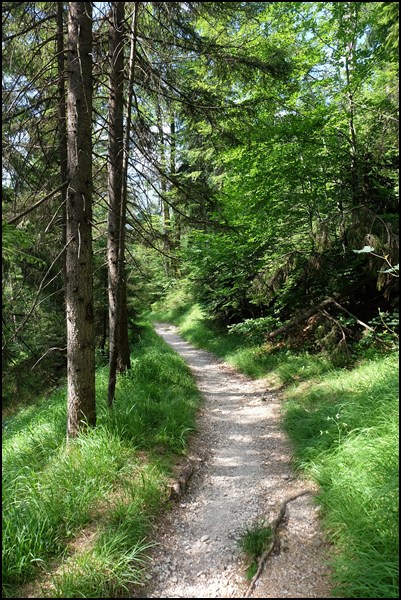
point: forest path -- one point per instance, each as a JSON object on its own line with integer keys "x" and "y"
{"x": 241, "y": 475}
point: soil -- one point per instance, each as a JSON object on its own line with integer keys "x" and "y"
{"x": 240, "y": 474}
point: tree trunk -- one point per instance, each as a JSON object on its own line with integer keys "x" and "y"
{"x": 115, "y": 183}
{"x": 104, "y": 313}
{"x": 79, "y": 286}
{"x": 124, "y": 358}
{"x": 176, "y": 217}
{"x": 62, "y": 124}
{"x": 349, "y": 25}
{"x": 123, "y": 350}
{"x": 166, "y": 216}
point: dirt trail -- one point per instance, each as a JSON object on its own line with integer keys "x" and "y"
{"x": 241, "y": 475}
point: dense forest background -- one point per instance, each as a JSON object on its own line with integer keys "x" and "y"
{"x": 261, "y": 170}
{"x": 237, "y": 156}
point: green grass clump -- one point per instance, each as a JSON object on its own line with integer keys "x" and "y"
{"x": 106, "y": 571}
{"x": 118, "y": 556}
{"x": 53, "y": 490}
{"x": 253, "y": 542}
{"x": 147, "y": 412}
{"x": 49, "y": 505}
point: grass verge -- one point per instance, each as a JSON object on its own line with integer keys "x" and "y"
{"x": 90, "y": 504}
{"x": 345, "y": 430}
{"x": 344, "y": 427}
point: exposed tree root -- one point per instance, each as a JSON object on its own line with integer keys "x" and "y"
{"x": 273, "y": 526}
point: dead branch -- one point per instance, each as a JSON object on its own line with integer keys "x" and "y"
{"x": 299, "y": 319}
{"x": 308, "y": 313}
{"x": 352, "y": 315}
{"x": 38, "y": 203}
{"x": 47, "y": 352}
{"x": 342, "y": 329}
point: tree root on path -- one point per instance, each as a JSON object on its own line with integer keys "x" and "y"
{"x": 273, "y": 526}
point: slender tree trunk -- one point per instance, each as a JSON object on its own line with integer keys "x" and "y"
{"x": 62, "y": 123}
{"x": 124, "y": 351}
{"x": 79, "y": 286}
{"x": 350, "y": 18}
{"x": 352, "y": 131}
{"x": 104, "y": 313}
{"x": 176, "y": 217}
{"x": 167, "y": 241}
{"x": 166, "y": 216}
{"x": 124, "y": 358}
{"x": 115, "y": 183}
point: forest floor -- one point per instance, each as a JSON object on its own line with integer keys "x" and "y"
{"x": 241, "y": 474}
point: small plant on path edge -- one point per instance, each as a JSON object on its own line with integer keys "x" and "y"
{"x": 253, "y": 542}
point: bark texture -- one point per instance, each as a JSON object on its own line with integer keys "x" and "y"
{"x": 79, "y": 286}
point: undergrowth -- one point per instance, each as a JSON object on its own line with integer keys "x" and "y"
{"x": 343, "y": 423}
{"x": 109, "y": 482}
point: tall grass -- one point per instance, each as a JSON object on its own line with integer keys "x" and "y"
{"x": 344, "y": 428}
{"x": 107, "y": 479}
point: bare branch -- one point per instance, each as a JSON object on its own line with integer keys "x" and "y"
{"x": 47, "y": 352}
{"x": 28, "y": 29}
{"x": 34, "y": 206}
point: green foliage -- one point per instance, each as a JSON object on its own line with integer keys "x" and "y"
{"x": 14, "y": 241}
{"x": 221, "y": 269}
{"x": 385, "y": 332}
{"x": 33, "y": 317}
{"x": 255, "y": 329}
{"x": 292, "y": 202}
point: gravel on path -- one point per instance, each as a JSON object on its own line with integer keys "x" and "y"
{"x": 241, "y": 475}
